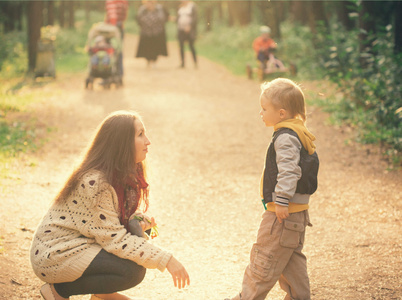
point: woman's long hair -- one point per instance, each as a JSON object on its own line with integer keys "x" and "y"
{"x": 112, "y": 151}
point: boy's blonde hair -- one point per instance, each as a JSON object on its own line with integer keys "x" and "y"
{"x": 284, "y": 93}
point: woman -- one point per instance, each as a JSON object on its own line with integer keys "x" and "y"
{"x": 83, "y": 244}
{"x": 152, "y": 17}
{"x": 187, "y": 28}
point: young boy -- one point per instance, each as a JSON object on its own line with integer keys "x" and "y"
{"x": 263, "y": 45}
{"x": 288, "y": 180}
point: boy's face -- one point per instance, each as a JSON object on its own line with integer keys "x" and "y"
{"x": 271, "y": 115}
{"x": 265, "y": 36}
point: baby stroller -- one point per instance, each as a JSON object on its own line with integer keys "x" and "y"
{"x": 104, "y": 47}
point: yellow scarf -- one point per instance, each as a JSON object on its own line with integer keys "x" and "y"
{"x": 305, "y": 136}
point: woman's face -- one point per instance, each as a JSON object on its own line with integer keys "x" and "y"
{"x": 141, "y": 141}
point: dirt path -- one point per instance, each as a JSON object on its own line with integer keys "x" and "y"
{"x": 206, "y": 157}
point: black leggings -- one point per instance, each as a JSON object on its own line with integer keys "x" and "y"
{"x": 183, "y": 36}
{"x": 106, "y": 274}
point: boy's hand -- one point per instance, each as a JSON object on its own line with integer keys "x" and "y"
{"x": 282, "y": 212}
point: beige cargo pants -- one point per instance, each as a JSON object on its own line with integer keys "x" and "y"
{"x": 277, "y": 256}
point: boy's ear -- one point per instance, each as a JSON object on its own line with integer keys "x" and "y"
{"x": 282, "y": 113}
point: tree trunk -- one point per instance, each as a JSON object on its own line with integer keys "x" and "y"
{"x": 87, "y": 10}
{"x": 343, "y": 11}
{"x": 317, "y": 15}
{"x": 398, "y": 27}
{"x": 231, "y": 14}
{"x": 71, "y": 14}
{"x": 62, "y": 14}
{"x": 20, "y": 12}
{"x": 300, "y": 12}
{"x": 270, "y": 15}
{"x": 50, "y": 12}
{"x": 8, "y": 19}
{"x": 11, "y": 15}
{"x": 209, "y": 11}
{"x": 239, "y": 12}
{"x": 35, "y": 20}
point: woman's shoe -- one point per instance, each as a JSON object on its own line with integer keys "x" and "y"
{"x": 49, "y": 293}
{"x": 46, "y": 292}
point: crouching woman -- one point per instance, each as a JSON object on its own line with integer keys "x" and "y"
{"x": 85, "y": 243}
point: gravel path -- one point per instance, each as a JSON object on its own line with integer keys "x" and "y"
{"x": 206, "y": 158}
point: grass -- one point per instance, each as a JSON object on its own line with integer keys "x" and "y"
{"x": 230, "y": 47}
{"x": 20, "y": 131}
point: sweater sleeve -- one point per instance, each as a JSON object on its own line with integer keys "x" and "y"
{"x": 105, "y": 227}
{"x": 287, "y": 148}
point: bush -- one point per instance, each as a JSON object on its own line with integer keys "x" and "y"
{"x": 371, "y": 82}
{"x": 13, "y": 54}
{"x": 16, "y": 137}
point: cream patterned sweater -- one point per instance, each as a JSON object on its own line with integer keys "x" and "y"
{"x": 73, "y": 232}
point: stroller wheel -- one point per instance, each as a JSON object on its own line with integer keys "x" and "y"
{"x": 116, "y": 81}
{"x": 293, "y": 69}
{"x": 260, "y": 74}
{"x": 106, "y": 84}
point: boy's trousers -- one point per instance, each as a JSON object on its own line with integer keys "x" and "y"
{"x": 277, "y": 256}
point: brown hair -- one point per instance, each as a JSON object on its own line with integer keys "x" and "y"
{"x": 112, "y": 151}
{"x": 284, "y": 93}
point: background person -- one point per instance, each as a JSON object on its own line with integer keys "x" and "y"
{"x": 265, "y": 47}
{"x": 187, "y": 29}
{"x": 83, "y": 244}
{"x": 152, "y": 18}
{"x": 116, "y": 14}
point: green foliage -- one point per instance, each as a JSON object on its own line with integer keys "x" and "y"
{"x": 229, "y": 46}
{"x": 13, "y": 54}
{"x": 232, "y": 47}
{"x": 372, "y": 98}
{"x": 70, "y": 53}
{"x": 371, "y": 81}
{"x": 16, "y": 137}
{"x": 296, "y": 46}
{"x": 18, "y": 133}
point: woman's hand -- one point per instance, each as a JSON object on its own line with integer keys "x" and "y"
{"x": 178, "y": 272}
{"x": 144, "y": 221}
{"x": 147, "y": 223}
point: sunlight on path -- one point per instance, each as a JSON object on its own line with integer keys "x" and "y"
{"x": 206, "y": 157}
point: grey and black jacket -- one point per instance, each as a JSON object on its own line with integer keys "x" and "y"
{"x": 290, "y": 173}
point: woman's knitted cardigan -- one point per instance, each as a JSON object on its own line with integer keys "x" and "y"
{"x": 74, "y": 231}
